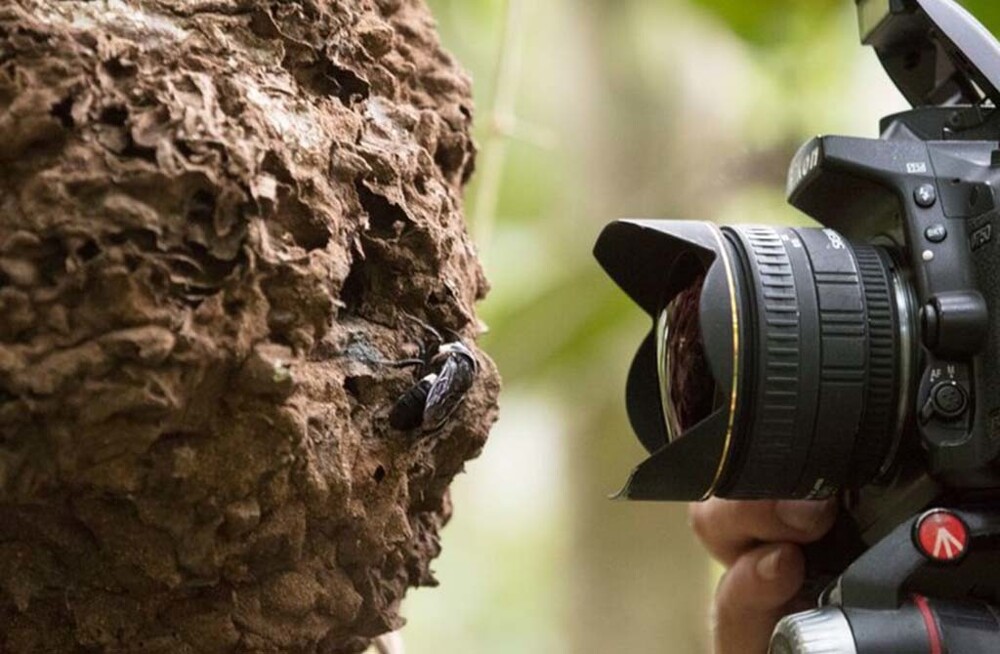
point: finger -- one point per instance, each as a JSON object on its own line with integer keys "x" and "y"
{"x": 752, "y": 597}
{"x": 730, "y": 528}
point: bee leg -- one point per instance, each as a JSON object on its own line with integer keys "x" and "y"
{"x": 454, "y": 336}
{"x": 428, "y": 328}
{"x": 401, "y": 363}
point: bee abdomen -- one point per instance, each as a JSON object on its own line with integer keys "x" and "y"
{"x": 408, "y": 412}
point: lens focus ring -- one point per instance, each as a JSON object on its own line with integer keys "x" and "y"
{"x": 843, "y": 360}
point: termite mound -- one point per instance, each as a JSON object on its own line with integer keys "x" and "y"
{"x": 215, "y": 218}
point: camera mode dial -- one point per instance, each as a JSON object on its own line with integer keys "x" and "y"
{"x": 950, "y": 399}
{"x": 947, "y": 400}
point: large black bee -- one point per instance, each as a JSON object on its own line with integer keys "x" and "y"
{"x": 429, "y": 403}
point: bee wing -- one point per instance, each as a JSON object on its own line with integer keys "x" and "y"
{"x": 448, "y": 391}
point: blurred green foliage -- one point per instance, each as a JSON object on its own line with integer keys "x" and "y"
{"x": 766, "y": 21}
{"x": 656, "y": 108}
{"x": 987, "y": 11}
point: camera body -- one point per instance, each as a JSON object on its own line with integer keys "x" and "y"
{"x": 860, "y": 359}
{"x": 926, "y": 188}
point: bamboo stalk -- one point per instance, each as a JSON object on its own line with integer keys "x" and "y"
{"x": 501, "y": 122}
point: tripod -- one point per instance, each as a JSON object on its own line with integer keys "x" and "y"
{"x": 930, "y": 587}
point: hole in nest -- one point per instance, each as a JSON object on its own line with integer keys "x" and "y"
{"x": 159, "y": 278}
{"x": 379, "y": 474}
{"x": 183, "y": 147}
{"x": 382, "y": 214}
{"x": 52, "y": 259}
{"x": 327, "y": 78}
{"x": 114, "y": 115}
{"x": 139, "y": 152}
{"x": 63, "y": 112}
{"x": 273, "y": 165}
{"x": 305, "y": 226}
{"x": 353, "y": 386}
{"x": 449, "y": 159}
{"x": 201, "y": 208}
{"x": 353, "y": 292}
{"x": 88, "y": 251}
{"x": 349, "y": 85}
{"x": 233, "y": 306}
{"x": 118, "y": 68}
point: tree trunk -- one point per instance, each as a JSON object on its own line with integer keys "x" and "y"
{"x": 218, "y": 219}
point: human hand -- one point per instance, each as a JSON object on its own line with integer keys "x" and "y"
{"x": 759, "y": 543}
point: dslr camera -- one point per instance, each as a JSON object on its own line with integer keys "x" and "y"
{"x": 859, "y": 359}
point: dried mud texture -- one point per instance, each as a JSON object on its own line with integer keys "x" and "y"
{"x": 213, "y": 217}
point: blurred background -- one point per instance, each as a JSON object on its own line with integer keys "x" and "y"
{"x": 589, "y": 110}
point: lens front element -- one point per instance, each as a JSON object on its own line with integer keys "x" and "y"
{"x": 687, "y": 387}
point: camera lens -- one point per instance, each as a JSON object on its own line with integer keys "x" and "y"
{"x": 687, "y": 386}
{"x": 780, "y": 364}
